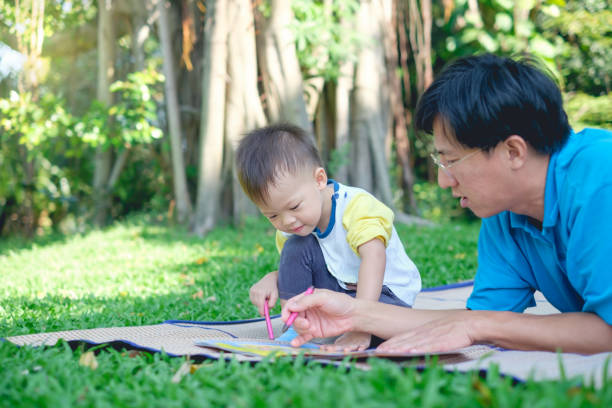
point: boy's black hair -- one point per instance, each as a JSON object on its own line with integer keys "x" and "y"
{"x": 265, "y": 153}
{"x": 484, "y": 99}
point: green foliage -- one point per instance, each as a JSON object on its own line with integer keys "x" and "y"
{"x": 135, "y": 112}
{"x": 59, "y": 15}
{"x": 582, "y": 31}
{"x": 54, "y": 150}
{"x": 338, "y": 158}
{"x": 589, "y": 111}
{"x": 31, "y": 123}
{"x": 325, "y": 35}
{"x": 438, "y": 204}
{"x": 143, "y": 185}
{"x": 131, "y": 119}
{"x": 493, "y": 27}
{"x": 41, "y": 152}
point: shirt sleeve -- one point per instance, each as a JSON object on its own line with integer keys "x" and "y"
{"x": 366, "y": 218}
{"x": 589, "y": 251}
{"x": 498, "y": 284}
{"x": 280, "y": 240}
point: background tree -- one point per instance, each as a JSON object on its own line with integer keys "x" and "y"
{"x": 179, "y": 178}
{"x": 213, "y": 117}
{"x": 81, "y": 121}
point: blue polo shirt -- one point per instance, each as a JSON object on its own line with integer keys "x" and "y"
{"x": 570, "y": 259}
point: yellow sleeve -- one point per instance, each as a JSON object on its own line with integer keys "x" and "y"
{"x": 280, "y": 241}
{"x": 366, "y": 218}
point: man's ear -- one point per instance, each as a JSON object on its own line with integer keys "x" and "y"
{"x": 515, "y": 151}
{"x": 320, "y": 177}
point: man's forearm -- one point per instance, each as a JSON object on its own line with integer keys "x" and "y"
{"x": 386, "y": 321}
{"x": 584, "y": 333}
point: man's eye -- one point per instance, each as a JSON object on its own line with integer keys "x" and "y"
{"x": 295, "y": 207}
{"x": 271, "y": 217}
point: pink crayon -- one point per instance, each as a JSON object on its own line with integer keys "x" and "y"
{"x": 268, "y": 322}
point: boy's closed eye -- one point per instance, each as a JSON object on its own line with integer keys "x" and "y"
{"x": 273, "y": 216}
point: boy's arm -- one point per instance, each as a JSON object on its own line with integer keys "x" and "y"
{"x": 369, "y": 286}
{"x": 369, "y": 227}
{"x": 371, "y": 270}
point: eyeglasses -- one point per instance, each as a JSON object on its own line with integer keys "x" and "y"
{"x": 446, "y": 167}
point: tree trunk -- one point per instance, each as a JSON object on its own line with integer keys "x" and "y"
{"x": 140, "y": 31}
{"x": 30, "y": 18}
{"x": 181, "y": 193}
{"x": 426, "y": 51}
{"x": 400, "y": 126}
{"x": 103, "y": 158}
{"x": 325, "y": 124}
{"x": 243, "y": 110}
{"x": 213, "y": 117}
{"x": 344, "y": 89}
{"x": 370, "y": 108}
{"x": 187, "y": 27}
{"x": 280, "y": 69}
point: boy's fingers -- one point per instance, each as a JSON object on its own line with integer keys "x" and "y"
{"x": 272, "y": 300}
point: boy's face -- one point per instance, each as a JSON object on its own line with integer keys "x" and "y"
{"x": 296, "y": 202}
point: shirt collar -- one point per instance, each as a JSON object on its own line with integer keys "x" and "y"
{"x": 332, "y": 214}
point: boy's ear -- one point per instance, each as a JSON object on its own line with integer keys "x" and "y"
{"x": 320, "y": 177}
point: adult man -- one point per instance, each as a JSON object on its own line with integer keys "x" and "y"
{"x": 504, "y": 146}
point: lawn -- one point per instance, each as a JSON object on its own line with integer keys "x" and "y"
{"x": 144, "y": 271}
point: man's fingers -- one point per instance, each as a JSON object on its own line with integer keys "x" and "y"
{"x": 301, "y": 339}
{"x": 401, "y": 343}
{"x": 295, "y": 304}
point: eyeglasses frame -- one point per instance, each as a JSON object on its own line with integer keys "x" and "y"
{"x": 446, "y": 167}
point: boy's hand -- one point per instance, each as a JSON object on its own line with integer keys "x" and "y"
{"x": 352, "y": 341}
{"x": 266, "y": 288}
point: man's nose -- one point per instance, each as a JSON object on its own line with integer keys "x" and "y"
{"x": 446, "y": 180}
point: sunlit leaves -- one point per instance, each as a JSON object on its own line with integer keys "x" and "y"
{"x": 325, "y": 36}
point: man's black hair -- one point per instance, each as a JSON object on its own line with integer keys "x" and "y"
{"x": 485, "y": 99}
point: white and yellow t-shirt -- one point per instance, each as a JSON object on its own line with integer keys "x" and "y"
{"x": 356, "y": 218}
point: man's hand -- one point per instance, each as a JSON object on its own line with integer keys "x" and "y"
{"x": 447, "y": 333}
{"x": 266, "y": 288}
{"x": 351, "y": 341}
{"x": 322, "y": 314}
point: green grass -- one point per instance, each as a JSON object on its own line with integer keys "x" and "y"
{"x": 142, "y": 271}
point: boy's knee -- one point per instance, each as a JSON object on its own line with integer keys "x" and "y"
{"x": 296, "y": 245}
